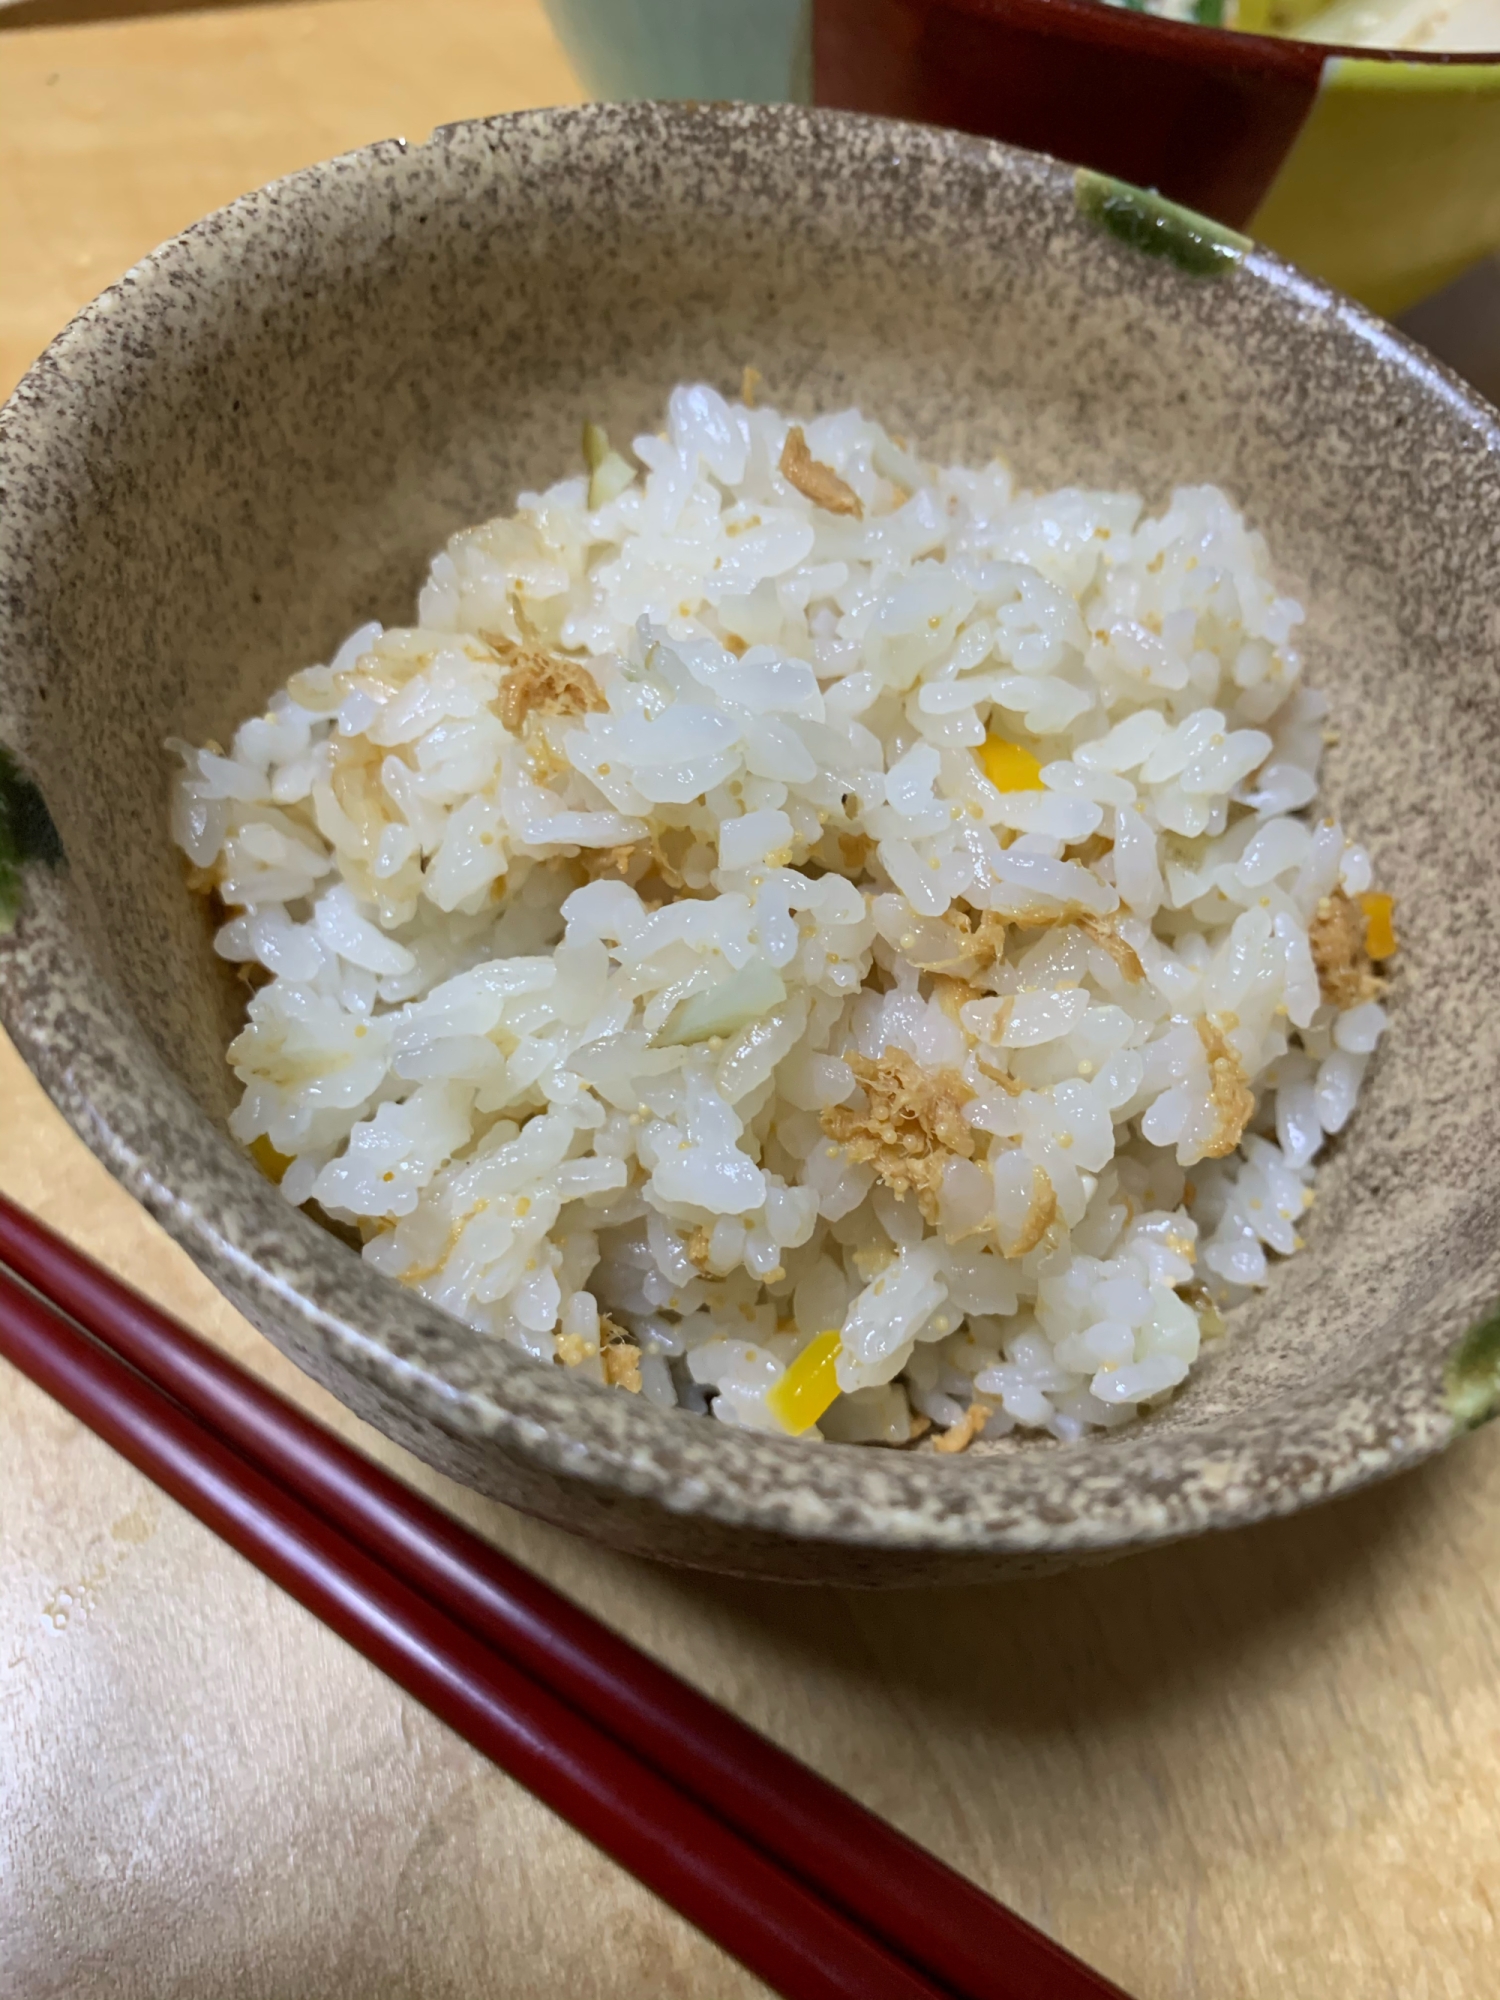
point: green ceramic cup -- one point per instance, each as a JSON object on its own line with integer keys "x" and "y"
{"x": 752, "y": 51}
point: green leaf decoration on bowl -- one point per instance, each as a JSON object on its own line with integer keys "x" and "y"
{"x": 1148, "y": 222}
{"x": 1473, "y": 1375}
{"x": 1472, "y": 1378}
{"x": 26, "y": 834}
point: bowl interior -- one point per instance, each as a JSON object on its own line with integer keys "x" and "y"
{"x": 259, "y": 438}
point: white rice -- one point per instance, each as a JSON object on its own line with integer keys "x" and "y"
{"x": 565, "y": 1017}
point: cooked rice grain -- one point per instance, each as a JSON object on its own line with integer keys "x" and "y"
{"x": 659, "y": 980}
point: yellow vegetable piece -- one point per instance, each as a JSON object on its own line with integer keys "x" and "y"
{"x": 1008, "y": 767}
{"x": 271, "y": 1163}
{"x": 808, "y": 1386}
{"x": 1380, "y": 932}
{"x": 609, "y": 474}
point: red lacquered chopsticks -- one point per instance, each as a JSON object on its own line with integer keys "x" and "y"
{"x": 863, "y": 1876}
{"x": 780, "y": 1930}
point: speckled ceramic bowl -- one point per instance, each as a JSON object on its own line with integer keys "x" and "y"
{"x": 258, "y": 437}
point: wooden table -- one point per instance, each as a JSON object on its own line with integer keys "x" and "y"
{"x": 1264, "y": 1765}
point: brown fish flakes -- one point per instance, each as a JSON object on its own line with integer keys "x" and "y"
{"x": 819, "y": 482}
{"x": 913, "y": 1124}
{"x": 1336, "y": 936}
{"x": 620, "y": 1355}
{"x": 979, "y": 940}
{"x": 597, "y": 861}
{"x": 1039, "y": 1218}
{"x": 953, "y": 994}
{"x": 543, "y": 684}
{"x": 1233, "y": 1099}
{"x": 964, "y": 1432}
{"x": 1103, "y": 932}
{"x": 1099, "y": 930}
{"x": 977, "y": 943}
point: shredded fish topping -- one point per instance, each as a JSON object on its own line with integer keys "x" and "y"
{"x": 1336, "y": 937}
{"x": 620, "y": 1355}
{"x": 913, "y": 1124}
{"x": 544, "y": 684}
{"x": 1040, "y": 1216}
{"x": 963, "y": 1433}
{"x": 819, "y": 482}
{"x": 1233, "y": 1099}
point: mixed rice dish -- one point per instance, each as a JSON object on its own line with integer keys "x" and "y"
{"x": 804, "y": 934}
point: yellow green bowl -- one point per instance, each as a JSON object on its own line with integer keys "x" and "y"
{"x": 1392, "y": 186}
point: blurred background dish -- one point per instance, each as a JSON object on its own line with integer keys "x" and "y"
{"x": 1377, "y": 169}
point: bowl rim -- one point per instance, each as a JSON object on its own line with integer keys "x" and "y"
{"x": 1252, "y": 45}
{"x": 346, "y": 1324}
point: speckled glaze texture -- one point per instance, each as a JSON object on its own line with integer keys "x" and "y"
{"x": 260, "y": 435}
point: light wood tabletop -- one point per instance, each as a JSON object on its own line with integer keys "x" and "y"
{"x": 1263, "y": 1765}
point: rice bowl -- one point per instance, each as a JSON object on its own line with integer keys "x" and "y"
{"x": 808, "y": 935}
{"x": 256, "y": 443}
